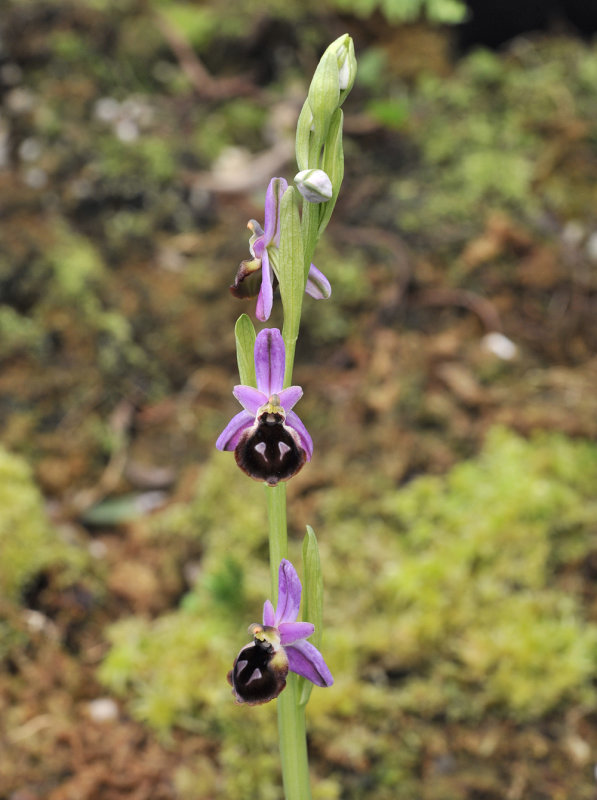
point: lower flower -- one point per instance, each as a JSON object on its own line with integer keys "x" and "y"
{"x": 279, "y": 645}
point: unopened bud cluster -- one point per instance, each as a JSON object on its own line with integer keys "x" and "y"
{"x": 319, "y": 153}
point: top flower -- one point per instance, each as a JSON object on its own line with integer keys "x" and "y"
{"x": 264, "y": 244}
{"x": 260, "y": 669}
{"x": 269, "y": 440}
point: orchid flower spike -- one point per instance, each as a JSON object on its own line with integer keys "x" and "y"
{"x": 264, "y": 245}
{"x": 269, "y": 440}
{"x": 280, "y": 644}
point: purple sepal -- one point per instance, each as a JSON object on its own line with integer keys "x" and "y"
{"x": 289, "y": 593}
{"x": 270, "y": 361}
{"x": 273, "y": 197}
{"x": 306, "y": 660}
{"x": 231, "y": 434}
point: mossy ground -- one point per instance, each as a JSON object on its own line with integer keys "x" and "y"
{"x": 452, "y": 491}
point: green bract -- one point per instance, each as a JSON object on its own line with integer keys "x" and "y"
{"x": 245, "y": 348}
{"x": 312, "y": 599}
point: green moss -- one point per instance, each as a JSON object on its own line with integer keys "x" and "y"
{"x": 77, "y": 281}
{"x": 199, "y": 24}
{"x": 350, "y": 279}
{"x": 29, "y": 543}
{"x": 76, "y": 265}
{"x": 237, "y": 123}
{"x": 487, "y": 136}
{"x": 474, "y": 595}
{"x": 145, "y": 163}
{"x": 18, "y": 333}
{"x": 436, "y": 11}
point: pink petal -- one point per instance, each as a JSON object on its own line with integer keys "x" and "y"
{"x": 292, "y": 631}
{"x": 306, "y": 660}
{"x": 294, "y": 421}
{"x": 270, "y": 361}
{"x": 250, "y": 399}
{"x": 257, "y": 241}
{"x": 289, "y": 397}
{"x": 269, "y": 616}
{"x": 289, "y": 593}
{"x": 231, "y": 434}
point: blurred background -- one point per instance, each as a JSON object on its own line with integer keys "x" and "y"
{"x": 450, "y": 388}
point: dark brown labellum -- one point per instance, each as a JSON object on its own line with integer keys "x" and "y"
{"x": 270, "y": 451}
{"x": 247, "y": 282}
{"x": 253, "y": 677}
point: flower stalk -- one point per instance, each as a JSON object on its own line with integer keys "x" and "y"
{"x": 278, "y": 536}
{"x": 270, "y": 442}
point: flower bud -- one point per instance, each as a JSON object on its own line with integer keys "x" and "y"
{"x": 347, "y": 64}
{"x": 343, "y": 51}
{"x": 314, "y": 185}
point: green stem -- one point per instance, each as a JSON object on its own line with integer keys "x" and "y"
{"x": 291, "y": 718}
{"x": 278, "y": 537}
{"x": 293, "y": 743}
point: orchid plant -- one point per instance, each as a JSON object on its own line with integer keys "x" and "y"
{"x": 269, "y": 440}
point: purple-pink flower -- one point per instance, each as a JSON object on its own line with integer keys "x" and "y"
{"x": 263, "y": 245}
{"x": 269, "y": 440}
{"x": 280, "y": 644}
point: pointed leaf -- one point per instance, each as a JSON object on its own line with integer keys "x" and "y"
{"x": 312, "y": 585}
{"x": 312, "y": 600}
{"x": 245, "y": 350}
